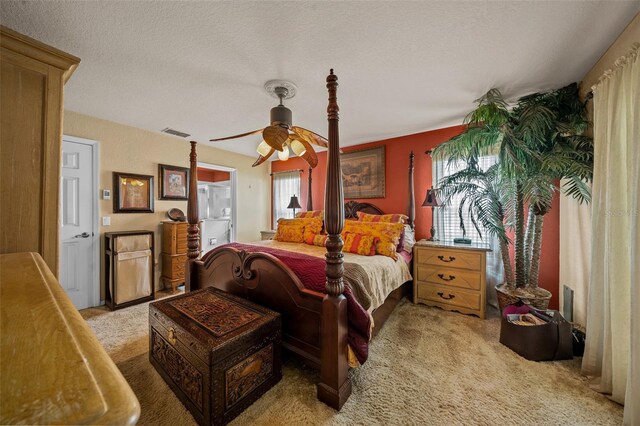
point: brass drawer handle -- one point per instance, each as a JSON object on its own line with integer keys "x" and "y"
{"x": 451, "y": 296}
{"x": 451, "y": 259}
{"x": 451, "y": 277}
{"x": 172, "y": 336}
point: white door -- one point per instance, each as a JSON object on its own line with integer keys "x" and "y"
{"x": 78, "y": 237}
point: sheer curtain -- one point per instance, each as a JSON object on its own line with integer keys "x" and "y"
{"x": 285, "y": 185}
{"x": 612, "y": 352}
{"x": 447, "y": 224}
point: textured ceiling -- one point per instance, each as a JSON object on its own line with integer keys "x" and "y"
{"x": 404, "y": 67}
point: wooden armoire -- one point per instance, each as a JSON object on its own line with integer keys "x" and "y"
{"x": 32, "y": 80}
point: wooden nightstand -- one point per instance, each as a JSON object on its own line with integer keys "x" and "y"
{"x": 267, "y": 235}
{"x": 450, "y": 276}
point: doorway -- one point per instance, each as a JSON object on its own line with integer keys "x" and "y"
{"x": 216, "y": 205}
{"x": 79, "y": 234}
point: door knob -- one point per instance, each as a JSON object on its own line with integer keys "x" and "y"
{"x": 83, "y": 235}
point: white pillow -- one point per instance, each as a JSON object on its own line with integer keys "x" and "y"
{"x": 409, "y": 239}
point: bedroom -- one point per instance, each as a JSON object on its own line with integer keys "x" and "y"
{"x": 406, "y": 84}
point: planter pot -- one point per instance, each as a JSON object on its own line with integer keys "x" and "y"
{"x": 538, "y": 297}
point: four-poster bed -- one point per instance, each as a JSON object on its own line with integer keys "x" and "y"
{"x": 315, "y": 324}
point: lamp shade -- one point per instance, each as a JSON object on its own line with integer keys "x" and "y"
{"x": 294, "y": 204}
{"x": 431, "y": 200}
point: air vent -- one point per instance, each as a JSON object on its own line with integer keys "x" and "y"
{"x": 175, "y": 132}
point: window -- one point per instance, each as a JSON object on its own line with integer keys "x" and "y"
{"x": 447, "y": 220}
{"x": 285, "y": 185}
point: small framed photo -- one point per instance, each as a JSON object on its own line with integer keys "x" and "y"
{"x": 132, "y": 193}
{"x": 174, "y": 182}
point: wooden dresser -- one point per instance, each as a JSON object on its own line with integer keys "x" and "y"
{"x": 450, "y": 276}
{"x": 174, "y": 253}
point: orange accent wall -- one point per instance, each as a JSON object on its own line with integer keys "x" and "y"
{"x": 208, "y": 175}
{"x": 397, "y": 191}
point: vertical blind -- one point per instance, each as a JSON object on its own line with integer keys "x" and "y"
{"x": 447, "y": 220}
{"x": 285, "y": 185}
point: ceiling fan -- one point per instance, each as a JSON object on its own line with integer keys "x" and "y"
{"x": 281, "y": 136}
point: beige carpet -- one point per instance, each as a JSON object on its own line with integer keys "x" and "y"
{"x": 426, "y": 366}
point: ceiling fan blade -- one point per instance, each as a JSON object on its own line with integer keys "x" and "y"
{"x": 236, "y": 136}
{"x": 310, "y": 155}
{"x": 261, "y": 159}
{"x": 275, "y": 136}
{"x": 310, "y": 136}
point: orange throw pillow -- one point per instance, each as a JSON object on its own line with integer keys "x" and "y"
{"x": 293, "y": 230}
{"x": 388, "y": 233}
{"x": 310, "y": 214}
{"x": 315, "y": 239}
{"x": 389, "y": 218}
{"x": 360, "y": 244}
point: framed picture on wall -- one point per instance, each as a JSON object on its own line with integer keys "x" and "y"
{"x": 132, "y": 193}
{"x": 363, "y": 173}
{"x": 174, "y": 182}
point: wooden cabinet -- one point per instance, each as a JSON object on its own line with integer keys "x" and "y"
{"x": 174, "y": 253}
{"x": 32, "y": 78}
{"x": 450, "y": 277}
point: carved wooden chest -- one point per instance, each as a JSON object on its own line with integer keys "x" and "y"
{"x": 219, "y": 353}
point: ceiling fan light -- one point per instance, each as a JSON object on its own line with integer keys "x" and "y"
{"x": 298, "y": 148}
{"x": 284, "y": 154}
{"x": 263, "y": 149}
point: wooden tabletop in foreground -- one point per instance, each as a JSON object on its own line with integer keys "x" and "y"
{"x": 53, "y": 370}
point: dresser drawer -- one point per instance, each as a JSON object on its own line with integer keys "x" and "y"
{"x": 451, "y": 277}
{"x": 172, "y": 265}
{"x": 451, "y": 296}
{"x": 449, "y": 258}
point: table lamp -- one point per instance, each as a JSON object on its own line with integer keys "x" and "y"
{"x": 431, "y": 200}
{"x": 294, "y": 204}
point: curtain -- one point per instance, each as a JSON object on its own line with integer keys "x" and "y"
{"x": 285, "y": 185}
{"x": 612, "y": 352}
{"x": 447, "y": 225}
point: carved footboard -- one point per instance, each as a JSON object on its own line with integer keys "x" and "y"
{"x": 263, "y": 279}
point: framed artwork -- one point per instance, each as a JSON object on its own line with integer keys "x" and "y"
{"x": 363, "y": 173}
{"x": 132, "y": 193}
{"x": 174, "y": 182}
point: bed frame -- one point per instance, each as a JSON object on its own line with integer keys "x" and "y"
{"x": 314, "y": 324}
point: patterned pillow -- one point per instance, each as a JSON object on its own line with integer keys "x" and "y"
{"x": 388, "y": 233}
{"x": 293, "y": 230}
{"x": 289, "y": 232}
{"x": 312, "y": 213}
{"x": 315, "y": 239}
{"x": 390, "y": 218}
{"x": 360, "y": 244}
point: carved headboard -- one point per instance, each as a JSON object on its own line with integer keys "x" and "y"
{"x": 351, "y": 209}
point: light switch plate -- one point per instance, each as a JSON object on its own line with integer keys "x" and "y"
{"x": 106, "y": 194}
{"x": 106, "y": 221}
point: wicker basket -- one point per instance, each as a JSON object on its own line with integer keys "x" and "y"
{"x": 505, "y": 298}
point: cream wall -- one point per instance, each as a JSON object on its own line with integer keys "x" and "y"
{"x": 128, "y": 149}
{"x": 575, "y": 220}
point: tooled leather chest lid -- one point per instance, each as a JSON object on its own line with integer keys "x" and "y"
{"x": 214, "y": 315}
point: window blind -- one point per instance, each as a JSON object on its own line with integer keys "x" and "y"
{"x": 447, "y": 221}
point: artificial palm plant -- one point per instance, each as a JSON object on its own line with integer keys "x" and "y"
{"x": 539, "y": 142}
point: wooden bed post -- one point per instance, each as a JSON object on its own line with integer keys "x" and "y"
{"x": 411, "y": 208}
{"x": 193, "y": 231}
{"x": 309, "y": 195}
{"x": 335, "y": 386}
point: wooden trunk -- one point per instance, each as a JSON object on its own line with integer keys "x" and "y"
{"x": 219, "y": 353}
